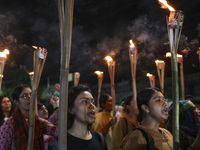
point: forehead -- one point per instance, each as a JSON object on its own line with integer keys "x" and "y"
{"x": 84, "y": 94}
{"x": 5, "y": 99}
{"x": 157, "y": 94}
{"x": 26, "y": 90}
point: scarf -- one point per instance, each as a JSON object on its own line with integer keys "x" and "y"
{"x": 21, "y": 128}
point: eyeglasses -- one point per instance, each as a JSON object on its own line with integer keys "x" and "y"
{"x": 25, "y": 95}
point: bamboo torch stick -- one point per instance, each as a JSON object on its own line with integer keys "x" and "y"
{"x": 160, "y": 64}
{"x": 76, "y": 78}
{"x": 3, "y": 56}
{"x": 174, "y": 27}
{"x": 65, "y": 11}
{"x": 151, "y": 80}
{"x": 40, "y": 55}
{"x": 198, "y": 52}
{"x": 111, "y": 69}
{"x": 180, "y": 60}
{"x": 100, "y": 79}
{"x": 133, "y": 62}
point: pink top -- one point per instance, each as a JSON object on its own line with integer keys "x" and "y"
{"x": 7, "y": 132}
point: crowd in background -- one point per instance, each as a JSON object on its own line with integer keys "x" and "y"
{"x": 92, "y": 129}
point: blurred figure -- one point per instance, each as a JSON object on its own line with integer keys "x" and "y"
{"x": 81, "y": 115}
{"x": 43, "y": 113}
{"x": 124, "y": 125}
{"x": 104, "y": 120}
{"x": 6, "y": 109}
{"x": 189, "y": 123}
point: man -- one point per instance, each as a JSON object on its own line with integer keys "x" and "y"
{"x": 104, "y": 120}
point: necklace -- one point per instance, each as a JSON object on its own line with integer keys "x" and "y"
{"x": 162, "y": 132}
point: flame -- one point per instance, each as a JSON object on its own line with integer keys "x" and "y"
{"x": 131, "y": 43}
{"x": 98, "y": 72}
{"x": 6, "y": 51}
{"x": 168, "y": 54}
{"x": 165, "y": 5}
{"x": 179, "y": 55}
{"x": 159, "y": 61}
{"x": 149, "y": 75}
{"x": 31, "y": 73}
{"x": 35, "y": 47}
{"x": 1, "y": 76}
{"x": 108, "y": 58}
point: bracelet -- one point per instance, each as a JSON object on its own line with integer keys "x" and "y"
{"x": 56, "y": 108}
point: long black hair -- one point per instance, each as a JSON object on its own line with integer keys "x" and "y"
{"x": 143, "y": 97}
{"x": 1, "y": 111}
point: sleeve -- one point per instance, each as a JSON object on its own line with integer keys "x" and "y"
{"x": 134, "y": 141}
{"x": 49, "y": 128}
{"x": 97, "y": 125}
{"x": 6, "y": 134}
{"x": 52, "y": 119}
{"x": 118, "y": 135}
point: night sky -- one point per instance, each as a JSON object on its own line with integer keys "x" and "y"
{"x": 100, "y": 28}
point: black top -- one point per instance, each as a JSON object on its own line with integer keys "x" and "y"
{"x": 96, "y": 143}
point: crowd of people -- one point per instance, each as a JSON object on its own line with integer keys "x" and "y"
{"x": 88, "y": 129}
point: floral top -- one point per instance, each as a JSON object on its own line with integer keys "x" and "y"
{"x": 7, "y": 133}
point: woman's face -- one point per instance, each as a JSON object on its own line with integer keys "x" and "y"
{"x": 43, "y": 112}
{"x": 24, "y": 100}
{"x": 6, "y": 104}
{"x": 84, "y": 108}
{"x": 158, "y": 109}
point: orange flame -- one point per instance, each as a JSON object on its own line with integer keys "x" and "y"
{"x": 149, "y": 75}
{"x": 168, "y": 54}
{"x": 98, "y": 72}
{"x": 131, "y": 43}
{"x": 108, "y": 58}
{"x": 159, "y": 61}
{"x": 35, "y": 47}
{"x": 31, "y": 73}
{"x": 164, "y": 4}
{"x": 6, "y": 51}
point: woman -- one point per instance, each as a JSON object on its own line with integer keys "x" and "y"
{"x": 153, "y": 109}
{"x": 5, "y": 109}
{"x": 81, "y": 115}
{"x": 124, "y": 125}
{"x": 14, "y": 132}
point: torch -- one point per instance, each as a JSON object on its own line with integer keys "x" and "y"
{"x": 31, "y": 77}
{"x": 133, "y": 61}
{"x": 3, "y": 56}
{"x": 111, "y": 69}
{"x": 151, "y": 80}
{"x": 100, "y": 79}
{"x": 174, "y": 27}
{"x": 40, "y": 55}
{"x": 76, "y": 78}
{"x": 180, "y": 60}
{"x": 198, "y": 52}
{"x": 160, "y": 64}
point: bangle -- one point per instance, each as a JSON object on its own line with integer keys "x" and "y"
{"x": 56, "y": 108}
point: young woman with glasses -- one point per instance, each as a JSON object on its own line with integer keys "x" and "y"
{"x": 14, "y": 132}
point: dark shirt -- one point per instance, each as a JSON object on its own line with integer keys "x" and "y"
{"x": 96, "y": 143}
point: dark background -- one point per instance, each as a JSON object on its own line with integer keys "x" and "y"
{"x": 100, "y": 28}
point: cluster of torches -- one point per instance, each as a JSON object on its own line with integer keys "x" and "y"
{"x": 174, "y": 24}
